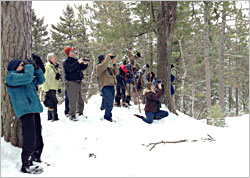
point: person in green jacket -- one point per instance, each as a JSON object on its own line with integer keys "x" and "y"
{"x": 51, "y": 85}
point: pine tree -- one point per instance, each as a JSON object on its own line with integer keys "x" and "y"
{"x": 39, "y": 36}
{"x": 63, "y": 34}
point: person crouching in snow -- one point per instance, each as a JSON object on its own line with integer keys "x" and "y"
{"x": 21, "y": 82}
{"x": 51, "y": 86}
{"x": 151, "y": 109}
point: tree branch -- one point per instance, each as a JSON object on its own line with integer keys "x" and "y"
{"x": 210, "y": 139}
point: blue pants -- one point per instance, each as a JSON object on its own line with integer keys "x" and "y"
{"x": 66, "y": 111}
{"x": 150, "y": 116}
{"x": 108, "y": 95}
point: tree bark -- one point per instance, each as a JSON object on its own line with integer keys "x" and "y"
{"x": 221, "y": 60}
{"x": 183, "y": 77}
{"x": 230, "y": 88}
{"x": 207, "y": 60}
{"x": 16, "y": 36}
{"x": 165, "y": 30}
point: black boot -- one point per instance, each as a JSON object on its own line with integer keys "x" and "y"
{"x": 128, "y": 100}
{"x": 54, "y": 115}
{"x": 28, "y": 167}
{"x": 49, "y": 115}
{"x": 37, "y": 156}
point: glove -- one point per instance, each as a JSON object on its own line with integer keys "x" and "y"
{"x": 30, "y": 61}
{"x": 59, "y": 91}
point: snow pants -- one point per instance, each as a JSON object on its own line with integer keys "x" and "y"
{"x": 32, "y": 137}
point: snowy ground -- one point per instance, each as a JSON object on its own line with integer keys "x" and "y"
{"x": 119, "y": 150}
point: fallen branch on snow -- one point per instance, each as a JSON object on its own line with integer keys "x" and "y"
{"x": 210, "y": 139}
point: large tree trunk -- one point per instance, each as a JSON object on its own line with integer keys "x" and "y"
{"x": 15, "y": 44}
{"x": 207, "y": 61}
{"x": 221, "y": 60}
{"x": 230, "y": 88}
{"x": 236, "y": 91}
{"x": 183, "y": 77}
{"x": 165, "y": 30}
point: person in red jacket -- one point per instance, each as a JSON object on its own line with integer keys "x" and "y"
{"x": 151, "y": 109}
{"x": 121, "y": 85}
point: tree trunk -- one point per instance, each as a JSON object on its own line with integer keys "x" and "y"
{"x": 236, "y": 91}
{"x": 16, "y": 36}
{"x": 165, "y": 30}
{"x": 221, "y": 60}
{"x": 183, "y": 77}
{"x": 230, "y": 88}
{"x": 144, "y": 49}
{"x": 207, "y": 61}
{"x": 150, "y": 53}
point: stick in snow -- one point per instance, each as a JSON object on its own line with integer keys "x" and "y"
{"x": 210, "y": 139}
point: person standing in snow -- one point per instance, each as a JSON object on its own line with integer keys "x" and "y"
{"x": 21, "y": 82}
{"x": 106, "y": 72}
{"x": 51, "y": 85}
{"x": 73, "y": 74}
{"x": 130, "y": 82}
{"x": 121, "y": 85}
{"x": 151, "y": 109}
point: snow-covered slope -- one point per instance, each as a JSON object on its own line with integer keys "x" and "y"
{"x": 119, "y": 148}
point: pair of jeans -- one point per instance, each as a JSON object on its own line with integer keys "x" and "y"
{"x": 150, "y": 116}
{"x": 108, "y": 94}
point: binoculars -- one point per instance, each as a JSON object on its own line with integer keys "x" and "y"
{"x": 84, "y": 59}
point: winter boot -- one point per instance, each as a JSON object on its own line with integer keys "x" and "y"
{"x": 50, "y": 115}
{"x": 117, "y": 104}
{"x": 124, "y": 104}
{"x": 139, "y": 116}
{"x": 54, "y": 115}
{"x": 37, "y": 156}
{"x": 128, "y": 100}
{"x": 73, "y": 118}
{"x": 28, "y": 167}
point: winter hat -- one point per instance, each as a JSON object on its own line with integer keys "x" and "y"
{"x": 125, "y": 62}
{"x": 68, "y": 49}
{"x": 100, "y": 58}
{"x": 13, "y": 64}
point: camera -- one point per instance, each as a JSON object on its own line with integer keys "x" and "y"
{"x": 138, "y": 54}
{"x": 159, "y": 81}
{"x": 84, "y": 59}
{"x": 112, "y": 57}
{"x": 143, "y": 69}
{"x": 57, "y": 76}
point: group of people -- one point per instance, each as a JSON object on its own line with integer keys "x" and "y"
{"x": 25, "y": 75}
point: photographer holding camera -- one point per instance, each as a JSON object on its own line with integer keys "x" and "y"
{"x": 151, "y": 109}
{"x": 106, "y": 73}
{"x": 73, "y": 75}
{"x": 51, "y": 85}
{"x": 21, "y": 81}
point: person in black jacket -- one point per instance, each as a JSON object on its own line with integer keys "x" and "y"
{"x": 73, "y": 75}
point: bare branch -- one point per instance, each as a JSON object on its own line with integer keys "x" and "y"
{"x": 210, "y": 139}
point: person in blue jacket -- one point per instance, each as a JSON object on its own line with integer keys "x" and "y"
{"x": 21, "y": 82}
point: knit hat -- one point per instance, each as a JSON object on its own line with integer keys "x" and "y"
{"x": 68, "y": 49}
{"x": 125, "y": 62}
{"x": 14, "y": 63}
{"x": 100, "y": 58}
